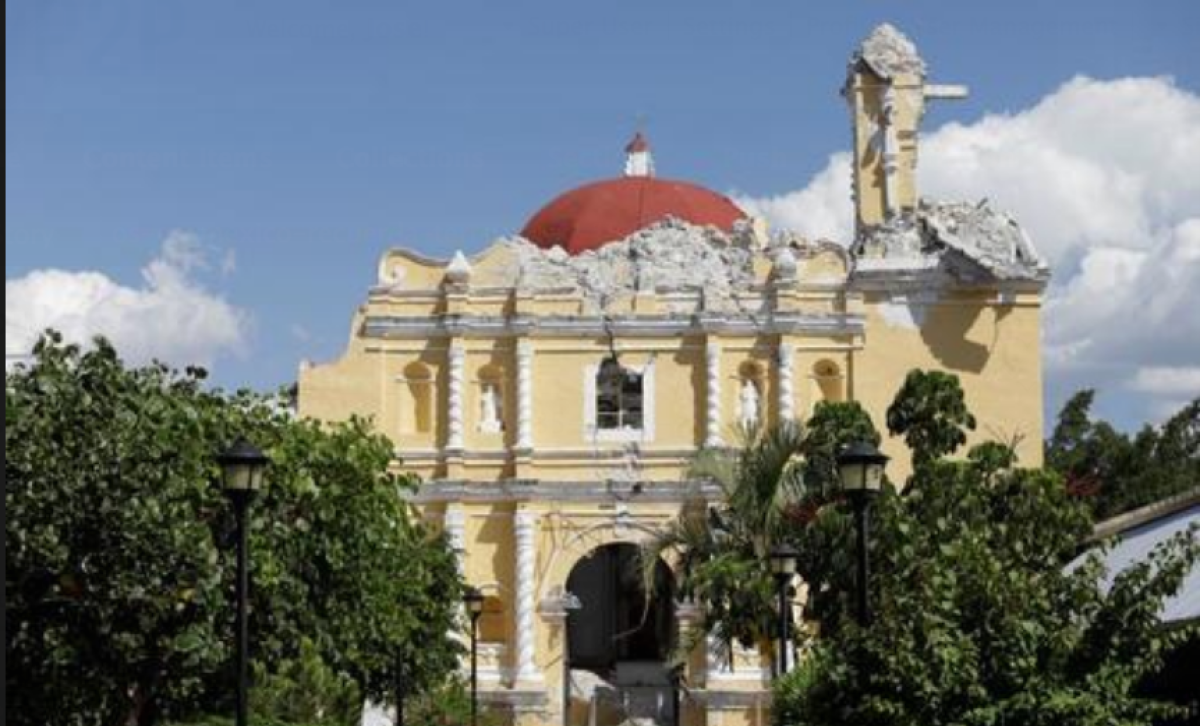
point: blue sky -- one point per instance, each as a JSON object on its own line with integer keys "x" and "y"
{"x": 296, "y": 140}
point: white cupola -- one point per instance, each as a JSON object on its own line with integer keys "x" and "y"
{"x": 638, "y": 161}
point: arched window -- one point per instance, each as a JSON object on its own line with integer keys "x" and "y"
{"x": 619, "y": 397}
{"x": 416, "y": 412}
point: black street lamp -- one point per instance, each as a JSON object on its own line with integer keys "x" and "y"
{"x": 783, "y": 567}
{"x": 861, "y": 468}
{"x": 242, "y": 468}
{"x": 473, "y": 599}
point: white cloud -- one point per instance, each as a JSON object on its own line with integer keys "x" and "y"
{"x": 1168, "y": 380}
{"x": 1105, "y": 177}
{"x": 820, "y": 210}
{"x": 171, "y": 316}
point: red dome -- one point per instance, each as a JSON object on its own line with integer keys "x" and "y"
{"x": 605, "y": 211}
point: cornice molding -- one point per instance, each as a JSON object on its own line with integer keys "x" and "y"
{"x": 563, "y": 326}
{"x": 526, "y": 490}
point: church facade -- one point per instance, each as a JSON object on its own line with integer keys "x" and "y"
{"x": 552, "y": 389}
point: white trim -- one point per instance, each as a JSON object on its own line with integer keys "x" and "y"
{"x": 525, "y": 530}
{"x": 592, "y": 433}
{"x": 712, "y": 395}
{"x": 454, "y": 406}
{"x": 524, "y": 395}
{"x": 787, "y": 381}
{"x": 473, "y": 326}
{"x": 455, "y": 523}
{"x": 454, "y": 493}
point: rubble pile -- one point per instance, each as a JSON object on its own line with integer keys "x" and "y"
{"x": 889, "y": 53}
{"x": 981, "y": 237}
{"x": 669, "y": 255}
{"x": 971, "y": 242}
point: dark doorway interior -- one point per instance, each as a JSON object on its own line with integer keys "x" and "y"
{"x": 619, "y": 621}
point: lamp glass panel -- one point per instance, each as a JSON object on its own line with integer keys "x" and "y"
{"x": 853, "y": 476}
{"x": 239, "y": 477}
{"x": 873, "y": 476}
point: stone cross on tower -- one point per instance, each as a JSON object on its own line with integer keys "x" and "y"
{"x": 886, "y": 90}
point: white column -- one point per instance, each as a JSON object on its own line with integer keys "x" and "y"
{"x": 455, "y": 524}
{"x": 787, "y": 386}
{"x": 525, "y": 528}
{"x": 454, "y": 429}
{"x": 524, "y": 395}
{"x": 712, "y": 436}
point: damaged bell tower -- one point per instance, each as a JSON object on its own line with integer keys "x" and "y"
{"x": 886, "y": 90}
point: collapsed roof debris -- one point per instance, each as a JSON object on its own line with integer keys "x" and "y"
{"x": 888, "y": 53}
{"x": 669, "y": 255}
{"x": 971, "y": 242}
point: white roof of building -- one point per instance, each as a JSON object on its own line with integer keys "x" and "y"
{"x": 1140, "y": 531}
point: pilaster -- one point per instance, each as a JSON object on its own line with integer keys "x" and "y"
{"x": 525, "y": 525}
{"x": 712, "y": 361}
{"x": 787, "y": 383}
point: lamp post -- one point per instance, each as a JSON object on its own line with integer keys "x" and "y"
{"x": 861, "y": 466}
{"x": 242, "y": 469}
{"x": 473, "y": 599}
{"x": 783, "y": 567}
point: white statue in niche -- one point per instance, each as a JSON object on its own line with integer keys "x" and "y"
{"x": 749, "y": 403}
{"x": 489, "y": 415}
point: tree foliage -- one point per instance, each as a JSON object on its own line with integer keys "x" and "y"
{"x": 1115, "y": 472}
{"x": 721, "y": 552}
{"x": 978, "y": 617}
{"x": 832, "y": 427}
{"x": 778, "y": 478}
{"x": 930, "y": 412}
{"x": 119, "y": 546}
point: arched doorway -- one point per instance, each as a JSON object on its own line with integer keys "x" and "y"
{"x": 620, "y": 638}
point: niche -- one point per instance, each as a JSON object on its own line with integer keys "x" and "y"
{"x": 829, "y": 379}
{"x": 750, "y": 395}
{"x": 416, "y": 411}
{"x": 491, "y": 399}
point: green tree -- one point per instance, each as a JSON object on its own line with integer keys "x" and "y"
{"x": 119, "y": 561}
{"x": 722, "y": 552}
{"x": 1115, "y": 472}
{"x": 979, "y": 619}
{"x": 930, "y": 412}
{"x": 305, "y": 690}
{"x": 818, "y": 527}
{"x": 833, "y": 426}
{"x": 773, "y": 484}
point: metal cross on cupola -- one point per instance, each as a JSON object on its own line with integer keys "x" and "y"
{"x": 638, "y": 160}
